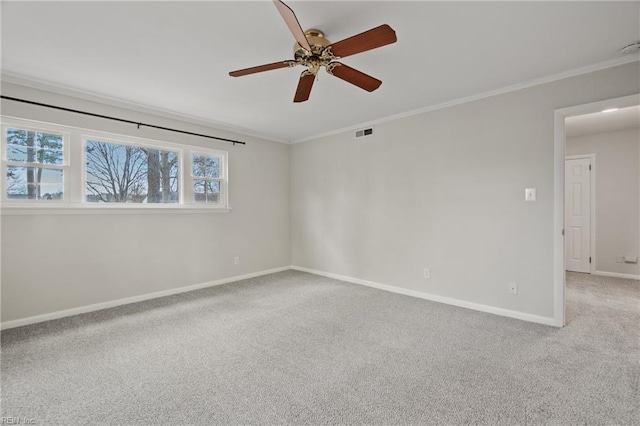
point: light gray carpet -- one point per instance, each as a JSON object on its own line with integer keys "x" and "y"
{"x": 297, "y": 348}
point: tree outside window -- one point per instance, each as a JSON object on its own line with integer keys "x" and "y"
{"x": 118, "y": 173}
{"x": 36, "y": 160}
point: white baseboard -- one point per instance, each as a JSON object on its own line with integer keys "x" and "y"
{"x": 414, "y": 293}
{"x": 110, "y": 304}
{"x": 435, "y": 298}
{"x": 617, "y": 275}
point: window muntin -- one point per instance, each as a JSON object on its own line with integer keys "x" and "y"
{"x": 34, "y": 164}
{"x": 206, "y": 191}
{"x": 34, "y": 183}
{"x": 123, "y": 173}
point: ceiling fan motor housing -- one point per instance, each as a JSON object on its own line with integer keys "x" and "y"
{"x": 316, "y": 40}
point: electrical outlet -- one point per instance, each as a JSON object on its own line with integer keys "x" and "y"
{"x": 236, "y": 260}
{"x": 619, "y": 259}
{"x": 427, "y": 273}
{"x": 513, "y": 288}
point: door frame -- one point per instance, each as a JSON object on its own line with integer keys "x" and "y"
{"x": 592, "y": 206}
{"x": 559, "y": 148}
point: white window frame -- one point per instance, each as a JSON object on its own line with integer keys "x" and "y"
{"x": 9, "y": 163}
{"x": 222, "y": 173}
{"x": 74, "y": 198}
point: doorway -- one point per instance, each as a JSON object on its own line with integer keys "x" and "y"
{"x": 575, "y": 193}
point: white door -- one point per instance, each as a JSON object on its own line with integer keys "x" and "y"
{"x": 577, "y": 211}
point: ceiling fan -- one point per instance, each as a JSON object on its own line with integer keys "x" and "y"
{"x": 314, "y": 51}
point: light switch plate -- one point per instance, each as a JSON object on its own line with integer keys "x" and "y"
{"x": 530, "y": 194}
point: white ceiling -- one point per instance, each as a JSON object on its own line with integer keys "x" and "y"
{"x": 601, "y": 122}
{"x": 176, "y": 56}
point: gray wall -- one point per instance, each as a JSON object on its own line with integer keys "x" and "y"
{"x": 617, "y": 195}
{"x": 57, "y": 262}
{"x": 442, "y": 190}
{"x": 445, "y": 190}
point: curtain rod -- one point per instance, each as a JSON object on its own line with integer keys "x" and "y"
{"x": 122, "y": 120}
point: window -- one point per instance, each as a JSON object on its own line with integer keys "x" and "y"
{"x": 35, "y": 164}
{"x": 205, "y": 175}
{"x": 69, "y": 167}
{"x": 117, "y": 173}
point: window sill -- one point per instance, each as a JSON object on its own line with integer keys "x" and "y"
{"x": 81, "y": 209}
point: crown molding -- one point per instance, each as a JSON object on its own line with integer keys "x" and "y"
{"x": 512, "y": 88}
{"x": 165, "y": 113}
{"x": 87, "y": 95}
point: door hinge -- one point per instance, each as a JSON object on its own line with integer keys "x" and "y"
{"x": 589, "y": 259}
{"x": 563, "y": 232}
{"x": 589, "y": 167}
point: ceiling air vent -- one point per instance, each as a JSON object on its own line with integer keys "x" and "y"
{"x": 631, "y": 48}
{"x": 364, "y": 133}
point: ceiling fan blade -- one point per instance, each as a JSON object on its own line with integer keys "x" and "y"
{"x": 353, "y": 76}
{"x": 261, "y": 68}
{"x": 304, "y": 86}
{"x": 293, "y": 24}
{"x": 376, "y": 37}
